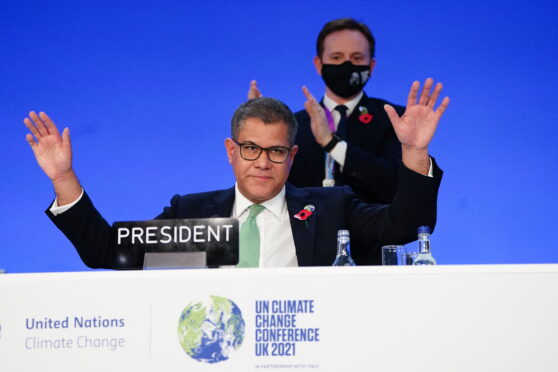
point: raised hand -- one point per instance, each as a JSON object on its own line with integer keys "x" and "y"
{"x": 318, "y": 120}
{"x": 254, "y": 92}
{"x": 419, "y": 121}
{"x": 416, "y": 127}
{"x": 53, "y": 152}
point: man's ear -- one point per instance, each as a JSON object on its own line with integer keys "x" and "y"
{"x": 318, "y": 65}
{"x": 230, "y": 147}
{"x": 372, "y": 65}
{"x": 294, "y": 150}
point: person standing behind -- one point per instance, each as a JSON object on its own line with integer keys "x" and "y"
{"x": 358, "y": 147}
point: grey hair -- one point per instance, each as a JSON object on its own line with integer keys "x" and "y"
{"x": 269, "y": 110}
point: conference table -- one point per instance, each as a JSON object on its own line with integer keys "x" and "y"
{"x": 391, "y": 318}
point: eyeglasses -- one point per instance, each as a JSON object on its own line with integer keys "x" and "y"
{"x": 276, "y": 154}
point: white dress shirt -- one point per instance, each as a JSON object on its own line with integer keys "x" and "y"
{"x": 277, "y": 247}
{"x": 56, "y": 210}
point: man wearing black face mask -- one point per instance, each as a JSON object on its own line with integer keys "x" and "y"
{"x": 359, "y": 146}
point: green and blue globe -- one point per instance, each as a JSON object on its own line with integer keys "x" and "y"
{"x": 210, "y": 332}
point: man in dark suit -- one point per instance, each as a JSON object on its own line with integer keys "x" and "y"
{"x": 261, "y": 151}
{"x": 358, "y": 147}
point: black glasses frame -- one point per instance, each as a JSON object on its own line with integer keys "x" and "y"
{"x": 266, "y": 149}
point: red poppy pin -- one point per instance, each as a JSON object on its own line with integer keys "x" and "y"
{"x": 305, "y": 213}
{"x": 364, "y": 116}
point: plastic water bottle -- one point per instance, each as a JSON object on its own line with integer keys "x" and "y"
{"x": 424, "y": 256}
{"x": 343, "y": 250}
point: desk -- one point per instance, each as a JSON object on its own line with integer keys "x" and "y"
{"x": 442, "y": 318}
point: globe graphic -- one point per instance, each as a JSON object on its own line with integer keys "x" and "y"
{"x": 210, "y": 332}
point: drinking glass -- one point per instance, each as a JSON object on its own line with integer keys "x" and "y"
{"x": 394, "y": 255}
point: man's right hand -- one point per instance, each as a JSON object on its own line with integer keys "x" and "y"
{"x": 318, "y": 119}
{"x": 254, "y": 92}
{"x": 53, "y": 152}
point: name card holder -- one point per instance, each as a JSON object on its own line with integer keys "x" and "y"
{"x": 176, "y": 244}
{"x": 174, "y": 260}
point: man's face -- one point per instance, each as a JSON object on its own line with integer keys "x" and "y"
{"x": 261, "y": 179}
{"x": 345, "y": 45}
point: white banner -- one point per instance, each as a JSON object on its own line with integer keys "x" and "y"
{"x": 443, "y": 318}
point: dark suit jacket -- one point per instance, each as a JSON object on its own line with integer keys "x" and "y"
{"x": 372, "y": 159}
{"x": 370, "y": 225}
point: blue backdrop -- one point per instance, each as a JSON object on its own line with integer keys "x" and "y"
{"x": 148, "y": 88}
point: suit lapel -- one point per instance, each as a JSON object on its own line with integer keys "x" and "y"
{"x": 303, "y": 231}
{"x": 356, "y": 131}
{"x": 222, "y": 204}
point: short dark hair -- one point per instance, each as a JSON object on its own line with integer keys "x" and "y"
{"x": 269, "y": 110}
{"x": 345, "y": 24}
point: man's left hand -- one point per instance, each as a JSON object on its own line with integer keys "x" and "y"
{"x": 416, "y": 127}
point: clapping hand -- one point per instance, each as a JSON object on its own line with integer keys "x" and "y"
{"x": 254, "y": 92}
{"x": 318, "y": 120}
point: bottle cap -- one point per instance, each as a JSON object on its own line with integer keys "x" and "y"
{"x": 424, "y": 230}
{"x": 342, "y": 233}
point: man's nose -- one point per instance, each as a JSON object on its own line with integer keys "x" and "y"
{"x": 263, "y": 161}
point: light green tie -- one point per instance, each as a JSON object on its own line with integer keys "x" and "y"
{"x": 250, "y": 239}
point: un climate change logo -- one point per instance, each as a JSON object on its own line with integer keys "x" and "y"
{"x": 210, "y": 332}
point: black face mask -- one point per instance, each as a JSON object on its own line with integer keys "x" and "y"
{"x": 346, "y": 79}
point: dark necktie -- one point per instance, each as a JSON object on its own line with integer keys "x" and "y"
{"x": 342, "y": 126}
{"x": 342, "y": 133}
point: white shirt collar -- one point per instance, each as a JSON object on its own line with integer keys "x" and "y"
{"x": 276, "y": 205}
{"x": 331, "y": 104}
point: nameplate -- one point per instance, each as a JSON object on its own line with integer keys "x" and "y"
{"x": 218, "y": 237}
